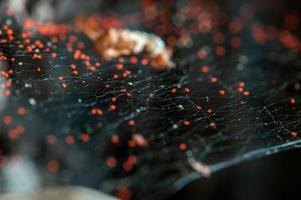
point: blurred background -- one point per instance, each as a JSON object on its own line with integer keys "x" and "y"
{"x": 235, "y": 34}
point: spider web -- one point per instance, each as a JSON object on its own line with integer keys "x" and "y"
{"x": 121, "y": 124}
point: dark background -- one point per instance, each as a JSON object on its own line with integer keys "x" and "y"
{"x": 272, "y": 177}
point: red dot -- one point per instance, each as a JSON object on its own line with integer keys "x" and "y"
{"x": 213, "y": 79}
{"x": 173, "y": 90}
{"x": 186, "y": 122}
{"x": 69, "y": 139}
{"x": 112, "y": 107}
{"x": 53, "y": 166}
{"x": 133, "y": 59}
{"x": 240, "y": 89}
{"x": 292, "y": 101}
{"x": 132, "y": 143}
{"x": 220, "y": 51}
{"x": 131, "y": 122}
{"x": 235, "y": 42}
{"x": 202, "y": 54}
{"x": 119, "y": 66}
{"x": 205, "y": 69}
{"x": 246, "y": 93}
{"x": 212, "y": 125}
{"x": 85, "y": 137}
{"x": 51, "y": 139}
{"x": 182, "y": 146}
{"x": 7, "y": 120}
{"x": 127, "y": 166}
{"x": 241, "y": 84}
{"x": 21, "y": 111}
{"x": 186, "y": 90}
{"x": 123, "y": 193}
{"x": 64, "y": 85}
{"x": 222, "y": 92}
{"x": 294, "y": 134}
{"x": 111, "y": 162}
{"x": 115, "y": 139}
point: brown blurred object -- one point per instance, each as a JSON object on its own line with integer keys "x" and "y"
{"x": 116, "y": 42}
